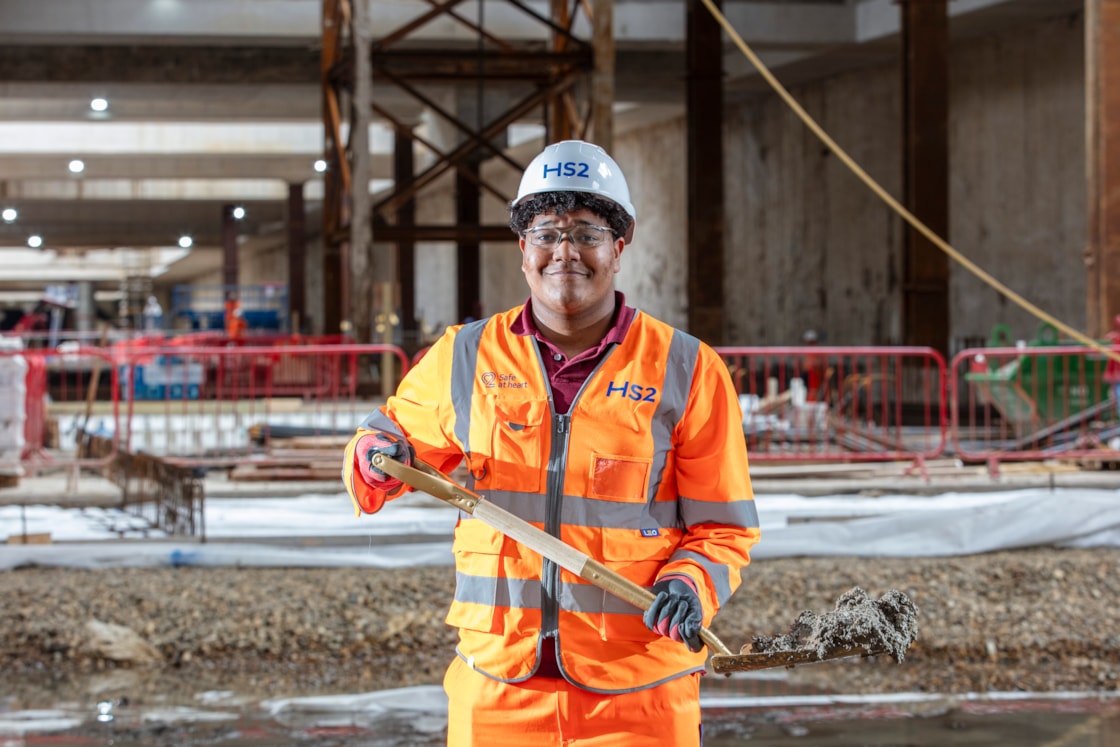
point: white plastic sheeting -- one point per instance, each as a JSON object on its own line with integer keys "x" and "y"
{"x": 319, "y": 530}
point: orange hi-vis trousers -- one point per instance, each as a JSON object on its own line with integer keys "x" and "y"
{"x": 552, "y": 712}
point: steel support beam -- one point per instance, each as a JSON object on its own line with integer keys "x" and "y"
{"x": 336, "y": 179}
{"x": 925, "y": 167}
{"x": 468, "y": 214}
{"x": 229, "y": 246}
{"x": 297, "y": 259}
{"x": 404, "y": 164}
{"x": 1102, "y": 97}
{"x": 540, "y": 82}
{"x": 705, "y": 175}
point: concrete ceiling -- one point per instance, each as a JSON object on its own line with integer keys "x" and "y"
{"x": 212, "y": 102}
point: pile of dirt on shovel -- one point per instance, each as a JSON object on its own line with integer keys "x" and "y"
{"x": 886, "y": 625}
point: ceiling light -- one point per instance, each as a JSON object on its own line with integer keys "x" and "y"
{"x": 238, "y": 213}
{"x": 99, "y": 104}
{"x": 76, "y": 166}
{"x": 9, "y": 215}
{"x": 320, "y": 166}
{"x": 186, "y": 242}
{"x": 35, "y": 241}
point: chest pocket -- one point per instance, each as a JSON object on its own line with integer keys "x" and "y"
{"x": 519, "y": 442}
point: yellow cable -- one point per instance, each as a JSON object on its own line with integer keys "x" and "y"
{"x": 894, "y": 204}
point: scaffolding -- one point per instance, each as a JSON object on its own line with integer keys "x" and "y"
{"x": 556, "y": 79}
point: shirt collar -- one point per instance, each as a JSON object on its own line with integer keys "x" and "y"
{"x": 524, "y": 325}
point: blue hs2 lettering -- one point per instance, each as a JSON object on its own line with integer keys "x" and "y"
{"x": 635, "y": 392}
{"x": 568, "y": 168}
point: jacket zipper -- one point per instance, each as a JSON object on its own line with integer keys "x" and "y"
{"x": 550, "y": 572}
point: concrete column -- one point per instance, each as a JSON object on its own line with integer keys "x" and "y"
{"x": 364, "y": 270}
{"x": 87, "y": 312}
{"x": 602, "y": 77}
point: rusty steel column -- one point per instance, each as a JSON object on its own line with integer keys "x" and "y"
{"x": 468, "y": 213}
{"x": 334, "y": 180}
{"x": 297, "y": 259}
{"x": 925, "y": 169}
{"x": 704, "y": 108}
{"x": 1102, "y": 99}
{"x": 229, "y": 246}
{"x": 403, "y": 168}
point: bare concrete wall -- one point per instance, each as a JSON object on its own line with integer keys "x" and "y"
{"x": 1017, "y": 142}
{"x": 812, "y": 248}
{"x": 807, "y": 247}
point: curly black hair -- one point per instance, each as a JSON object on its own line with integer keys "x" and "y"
{"x": 559, "y": 203}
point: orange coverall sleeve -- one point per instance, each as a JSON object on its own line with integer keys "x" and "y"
{"x": 421, "y": 412}
{"x": 713, "y": 480}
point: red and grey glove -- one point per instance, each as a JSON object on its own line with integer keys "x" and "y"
{"x": 391, "y": 446}
{"x": 676, "y": 612}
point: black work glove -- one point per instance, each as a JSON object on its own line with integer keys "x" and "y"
{"x": 676, "y": 612}
{"x": 391, "y": 446}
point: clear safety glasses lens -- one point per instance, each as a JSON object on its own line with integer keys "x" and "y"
{"x": 584, "y": 237}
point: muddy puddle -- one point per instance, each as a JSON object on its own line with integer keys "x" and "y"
{"x": 742, "y": 710}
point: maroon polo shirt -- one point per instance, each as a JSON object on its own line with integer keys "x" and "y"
{"x": 566, "y": 375}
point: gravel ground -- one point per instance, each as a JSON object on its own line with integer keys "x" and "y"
{"x": 1036, "y": 620}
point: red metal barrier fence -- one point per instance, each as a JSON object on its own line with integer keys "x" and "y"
{"x": 191, "y": 406}
{"x": 1031, "y": 403}
{"x": 46, "y": 403}
{"x": 815, "y": 404}
{"x": 215, "y": 405}
{"x": 230, "y": 405}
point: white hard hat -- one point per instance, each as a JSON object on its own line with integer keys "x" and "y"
{"x": 576, "y": 166}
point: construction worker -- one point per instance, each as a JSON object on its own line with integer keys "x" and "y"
{"x": 234, "y": 318}
{"x": 606, "y": 428}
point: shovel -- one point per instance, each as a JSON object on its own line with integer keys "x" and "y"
{"x": 428, "y": 479}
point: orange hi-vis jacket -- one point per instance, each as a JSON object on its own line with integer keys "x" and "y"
{"x": 647, "y": 473}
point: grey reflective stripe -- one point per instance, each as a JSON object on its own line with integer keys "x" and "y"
{"x": 680, "y": 368}
{"x": 717, "y": 572}
{"x": 591, "y": 600}
{"x": 494, "y": 592}
{"x": 464, "y": 361}
{"x": 598, "y": 512}
{"x": 740, "y": 513}
{"x": 529, "y": 506}
{"x": 379, "y": 421}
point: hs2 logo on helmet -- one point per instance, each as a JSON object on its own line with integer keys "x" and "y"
{"x": 568, "y": 168}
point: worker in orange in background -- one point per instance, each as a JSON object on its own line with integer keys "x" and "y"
{"x": 235, "y": 319}
{"x": 606, "y": 428}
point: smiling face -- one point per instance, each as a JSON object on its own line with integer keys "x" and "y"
{"x": 570, "y": 282}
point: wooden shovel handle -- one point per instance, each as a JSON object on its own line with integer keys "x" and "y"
{"x": 428, "y": 479}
